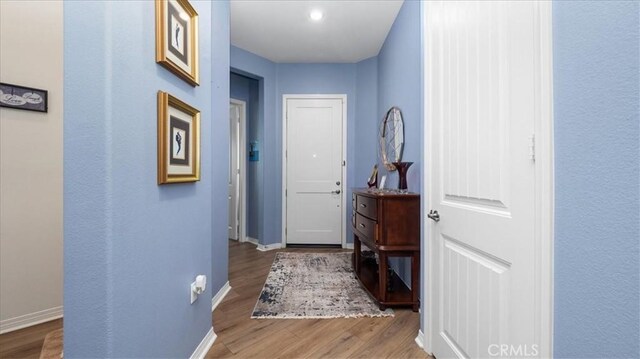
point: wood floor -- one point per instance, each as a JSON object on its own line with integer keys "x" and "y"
{"x": 242, "y": 337}
{"x": 26, "y": 343}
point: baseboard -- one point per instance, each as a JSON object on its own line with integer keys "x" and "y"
{"x": 27, "y": 320}
{"x": 348, "y": 246}
{"x": 252, "y": 240}
{"x": 269, "y": 247}
{"x": 219, "y": 297}
{"x": 204, "y": 346}
{"x": 420, "y": 339}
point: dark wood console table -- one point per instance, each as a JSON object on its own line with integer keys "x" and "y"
{"x": 388, "y": 223}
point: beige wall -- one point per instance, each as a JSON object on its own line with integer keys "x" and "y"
{"x": 31, "y": 52}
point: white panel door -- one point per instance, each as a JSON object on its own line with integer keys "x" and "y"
{"x": 234, "y": 170}
{"x": 481, "y": 95}
{"x": 314, "y": 171}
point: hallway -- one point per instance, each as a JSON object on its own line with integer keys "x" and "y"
{"x": 242, "y": 337}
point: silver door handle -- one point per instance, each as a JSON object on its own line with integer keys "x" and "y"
{"x": 434, "y": 215}
{"x": 336, "y": 192}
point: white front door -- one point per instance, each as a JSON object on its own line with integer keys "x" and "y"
{"x": 234, "y": 169}
{"x": 314, "y": 161}
{"x": 481, "y": 109}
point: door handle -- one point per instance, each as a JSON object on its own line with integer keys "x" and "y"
{"x": 337, "y": 183}
{"x": 335, "y": 192}
{"x": 434, "y": 215}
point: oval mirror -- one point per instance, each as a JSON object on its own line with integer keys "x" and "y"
{"x": 391, "y": 138}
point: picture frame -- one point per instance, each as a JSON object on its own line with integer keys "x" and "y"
{"x": 178, "y": 140}
{"x": 23, "y": 98}
{"x": 177, "y": 39}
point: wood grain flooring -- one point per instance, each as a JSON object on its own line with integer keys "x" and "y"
{"x": 239, "y": 336}
{"x": 242, "y": 337}
{"x": 27, "y": 342}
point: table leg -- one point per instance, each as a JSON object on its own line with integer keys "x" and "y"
{"x": 382, "y": 277}
{"x": 356, "y": 254}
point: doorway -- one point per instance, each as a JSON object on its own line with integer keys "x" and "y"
{"x": 237, "y": 169}
{"x": 489, "y": 179}
{"x": 314, "y": 170}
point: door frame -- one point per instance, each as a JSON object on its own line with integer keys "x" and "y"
{"x": 544, "y": 185}
{"x": 242, "y": 162}
{"x": 343, "y": 97}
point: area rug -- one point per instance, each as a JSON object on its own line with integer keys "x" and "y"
{"x": 312, "y": 286}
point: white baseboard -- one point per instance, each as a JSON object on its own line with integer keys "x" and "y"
{"x": 219, "y": 297}
{"x": 420, "y": 339}
{"x": 269, "y": 247}
{"x": 205, "y": 345}
{"x": 348, "y": 246}
{"x": 27, "y": 320}
{"x": 252, "y": 240}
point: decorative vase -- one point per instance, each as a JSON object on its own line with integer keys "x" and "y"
{"x": 403, "y": 168}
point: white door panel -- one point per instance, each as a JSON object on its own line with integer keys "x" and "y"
{"x": 314, "y": 171}
{"x": 481, "y": 86}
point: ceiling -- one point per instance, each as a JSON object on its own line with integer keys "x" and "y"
{"x": 282, "y": 31}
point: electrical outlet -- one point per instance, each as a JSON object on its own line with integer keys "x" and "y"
{"x": 194, "y": 294}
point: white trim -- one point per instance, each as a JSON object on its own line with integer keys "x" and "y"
{"x": 268, "y": 247}
{"x": 427, "y": 289}
{"x": 420, "y": 339}
{"x": 27, "y": 320}
{"x": 219, "y": 297}
{"x": 544, "y": 184}
{"x": 252, "y": 240}
{"x": 347, "y": 245}
{"x": 243, "y": 168}
{"x": 345, "y": 185}
{"x": 203, "y": 348}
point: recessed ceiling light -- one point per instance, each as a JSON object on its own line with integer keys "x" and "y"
{"x": 316, "y": 15}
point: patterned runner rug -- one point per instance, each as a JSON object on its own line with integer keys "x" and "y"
{"x": 314, "y": 285}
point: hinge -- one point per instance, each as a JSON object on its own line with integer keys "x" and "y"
{"x": 344, "y": 163}
{"x": 532, "y": 147}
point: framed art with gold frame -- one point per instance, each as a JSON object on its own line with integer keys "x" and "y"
{"x": 177, "y": 39}
{"x": 178, "y": 140}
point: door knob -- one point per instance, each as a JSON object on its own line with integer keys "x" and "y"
{"x": 434, "y": 215}
{"x": 337, "y": 183}
{"x": 336, "y": 192}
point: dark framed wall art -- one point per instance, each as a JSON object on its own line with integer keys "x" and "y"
{"x": 178, "y": 140}
{"x": 177, "y": 39}
{"x": 23, "y": 98}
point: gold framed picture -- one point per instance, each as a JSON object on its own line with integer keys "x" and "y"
{"x": 177, "y": 39}
{"x": 178, "y": 140}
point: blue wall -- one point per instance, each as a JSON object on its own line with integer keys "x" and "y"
{"x": 321, "y": 79}
{"x": 247, "y": 89}
{"x": 246, "y": 63}
{"x": 365, "y": 145}
{"x": 132, "y": 247}
{"x": 280, "y": 79}
{"x": 596, "y": 166}
{"x": 399, "y": 84}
